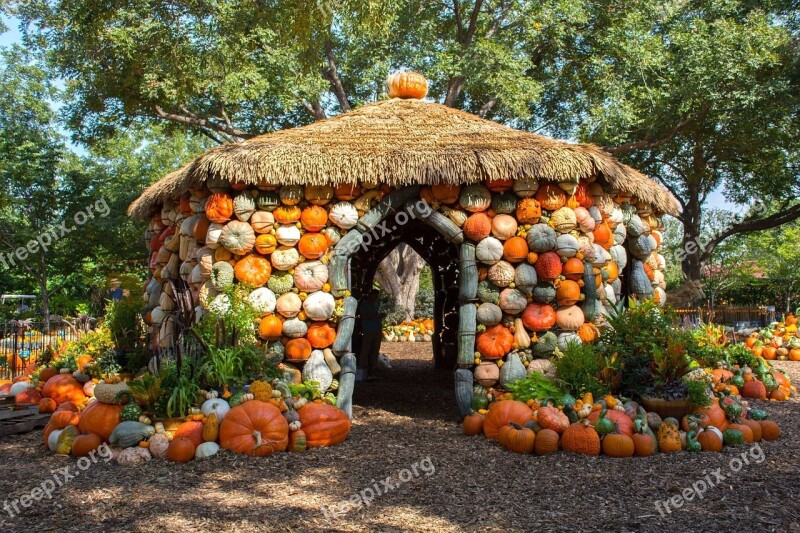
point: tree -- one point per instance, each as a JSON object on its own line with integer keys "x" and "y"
{"x": 399, "y": 275}
{"x": 30, "y": 150}
{"x": 776, "y": 253}
{"x": 699, "y": 95}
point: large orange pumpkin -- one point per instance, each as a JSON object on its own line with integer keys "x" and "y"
{"x": 406, "y": 85}
{"x": 298, "y": 350}
{"x": 502, "y": 413}
{"x": 568, "y": 293}
{"x": 446, "y": 194}
{"x": 28, "y": 397}
{"x": 478, "y": 226}
{"x": 85, "y": 443}
{"x": 324, "y": 425}
{"x": 313, "y": 218}
{"x": 253, "y": 270}
{"x": 528, "y": 211}
{"x": 219, "y": 207}
{"x": 100, "y": 418}
{"x": 63, "y": 388}
{"x": 550, "y": 196}
{"x": 495, "y": 342}
{"x": 320, "y": 335}
{"x": 62, "y": 419}
{"x": 47, "y": 373}
{"x": 515, "y": 250}
{"x": 573, "y": 269}
{"x": 312, "y": 245}
{"x": 538, "y": 316}
{"x": 254, "y": 428}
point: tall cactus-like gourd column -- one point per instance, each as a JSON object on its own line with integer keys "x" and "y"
{"x": 467, "y": 325}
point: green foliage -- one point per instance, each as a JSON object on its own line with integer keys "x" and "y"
{"x": 697, "y": 392}
{"x": 234, "y": 327}
{"x": 184, "y": 395}
{"x": 147, "y": 388}
{"x": 97, "y": 344}
{"x": 534, "y": 386}
{"x": 307, "y": 389}
{"x": 124, "y": 321}
{"x": 233, "y": 366}
{"x": 580, "y": 366}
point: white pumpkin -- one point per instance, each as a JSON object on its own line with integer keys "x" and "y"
{"x": 263, "y": 300}
{"x": 19, "y": 387}
{"x": 489, "y": 251}
{"x": 489, "y": 314}
{"x": 567, "y": 246}
{"x": 344, "y": 215}
{"x": 288, "y": 304}
{"x": 285, "y": 258}
{"x": 332, "y": 234}
{"x": 525, "y": 278}
{"x": 316, "y": 369}
{"x": 206, "y": 450}
{"x": 319, "y": 306}
{"x": 218, "y": 406}
{"x": 566, "y": 338}
{"x": 288, "y": 234}
{"x": 213, "y": 234}
{"x": 310, "y": 276}
{"x": 294, "y": 328}
{"x": 512, "y": 301}
{"x": 262, "y": 221}
{"x": 133, "y": 456}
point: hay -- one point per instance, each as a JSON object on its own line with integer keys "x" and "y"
{"x": 401, "y": 142}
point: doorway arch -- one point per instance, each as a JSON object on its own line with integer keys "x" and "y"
{"x": 402, "y": 217}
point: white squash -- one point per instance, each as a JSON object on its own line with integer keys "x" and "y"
{"x": 316, "y": 369}
{"x": 206, "y": 450}
{"x": 319, "y": 306}
{"x": 218, "y": 406}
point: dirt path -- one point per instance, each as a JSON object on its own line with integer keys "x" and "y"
{"x": 407, "y": 419}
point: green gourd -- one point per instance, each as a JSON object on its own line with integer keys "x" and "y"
{"x": 512, "y": 371}
{"x": 131, "y": 412}
{"x": 732, "y": 437}
{"x": 603, "y": 425}
{"x": 691, "y": 442}
{"x": 130, "y": 433}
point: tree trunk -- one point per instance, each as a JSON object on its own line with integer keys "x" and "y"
{"x": 45, "y": 294}
{"x": 398, "y": 275}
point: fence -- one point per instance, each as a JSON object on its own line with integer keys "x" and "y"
{"x": 23, "y": 342}
{"x": 738, "y": 317}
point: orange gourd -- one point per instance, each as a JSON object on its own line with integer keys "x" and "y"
{"x": 270, "y": 327}
{"x": 568, "y": 293}
{"x": 312, "y": 245}
{"x": 538, "y": 317}
{"x": 62, "y": 419}
{"x": 253, "y": 270}
{"x": 266, "y": 243}
{"x": 321, "y": 335}
{"x": 287, "y": 214}
{"x": 254, "y": 428}
{"x": 550, "y": 196}
{"x": 313, "y": 218}
{"x": 528, "y": 211}
{"x": 191, "y": 430}
{"x": 63, "y": 388}
{"x": 515, "y": 250}
{"x": 603, "y": 236}
{"x": 548, "y": 266}
{"x": 581, "y": 438}
{"x": 499, "y": 185}
{"x": 180, "y": 450}
{"x": 100, "y": 418}
{"x": 573, "y": 269}
{"x": 547, "y": 442}
{"x": 501, "y": 413}
{"x": 298, "y": 350}
{"x": 85, "y": 443}
{"x": 552, "y": 418}
{"x": 478, "y": 226}
{"x": 472, "y": 424}
{"x": 446, "y": 194}
{"x": 406, "y": 85}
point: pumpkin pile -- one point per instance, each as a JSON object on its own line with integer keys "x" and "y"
{"x": 549, "y": 259}
{"x": 410, "y": 331}
{"x": 259, "y": 422}
{"x": 760, "y": 383}
{"x": 778, "y": 341}
{"x": 615, "y": 428}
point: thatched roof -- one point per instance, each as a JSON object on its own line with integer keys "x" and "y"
{"x": 401, "y": 142}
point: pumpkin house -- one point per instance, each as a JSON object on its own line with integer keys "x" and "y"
{"x": 528, "y": 238}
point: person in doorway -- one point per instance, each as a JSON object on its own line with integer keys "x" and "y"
{"x": 369, "y": 313}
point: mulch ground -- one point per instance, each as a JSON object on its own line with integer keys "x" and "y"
{"x": 408, "y": 418}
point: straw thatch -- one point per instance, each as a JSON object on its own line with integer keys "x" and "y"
{"x": 402, "y": 142}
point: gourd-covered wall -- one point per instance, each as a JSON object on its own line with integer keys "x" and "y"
{"x": 538, "y": 262}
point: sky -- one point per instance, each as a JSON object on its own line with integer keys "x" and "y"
{"x": 12, "y": 36}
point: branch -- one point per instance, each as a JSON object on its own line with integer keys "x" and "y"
{"x": 200, "y": 122}
{"x": 473, "y": 23}
{"x": 646, "y": 143}
{"x": 333, "y": 76}
{"x": 746, "y": 226}
{"x": 485, "y": 108}
{"x": 457, "y": 14}
{"x": 315, "y": 108}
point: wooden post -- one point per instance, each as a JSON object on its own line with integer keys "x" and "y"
{"x": 347, "y": 380}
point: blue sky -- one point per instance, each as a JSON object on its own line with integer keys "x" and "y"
{"x": 12, "y": 36}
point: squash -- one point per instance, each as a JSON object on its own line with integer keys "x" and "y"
{"x": 489, "y": 314}
{"x": 538, "y": 317}
{"x": 85, "y": 443}
{"x": 263, "y": 300}
{"x": 343, "y": 215}
{"x": 668, "y": 436}
{"x": 494, "y": 342}
{"x": 210, "y": 428}
{"x": 254, "y": 428}
{"x": 317, "y": 370}
{"x": 192, "y": 430}
{"x": 100, "y": 418}
{"x": 294, "y": 328}
{"x": 486, "y": 374}
{"x": 475, "y": 198}
{"x": 512, "y": 371}
{"x": 501, "y": 413}
{"x": 319, "y": 306}
{"x": 321, "y": 335}
{"x": 130, "y": 433}
{"x": 478, "y": 226}
{"x": 237, "y": 237}
{"x": 581, "y": 438}
{"x": 133, "y": 456}
{"x": 180, "y": 450}
{"x": 159, "y": 443}
{"x": 402, "y": 84}
{"x": 521, "y": 337}
{"x": 489, "y": 251}
{"x": 206, "y": 450}
{"x": 310, "y": 276}
{"x": 65, "y": 439}
{"x": 517, "y": 438}
{"x": 253, "y": 270}
{"x": 63, "y": 388}
{"x": 548, "y": 266}
{"x": 323, "y": 424}
{"x": 501, "y": 273}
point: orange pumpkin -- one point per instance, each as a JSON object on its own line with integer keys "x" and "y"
{"x": 603, "y": 236}
{"x": 550, "y": 196}
{"x": 320, "y": 335}
{"x": 528, "y": 211}
{"x": 347, "y": 191}
{"x": 265, "y": 243}
{"x": 573, "y": 269}
{"x": 582, "y": 195}
{"x": 63, "y": 388}
{"x": 62, "y": 419}
{"x": 714, "y": 415}
{"x": 499, "y": 185}
{"x": 254, "y": 428}
{"x": 478, "y": 226}
{"x": 100, "y": 418}
{"x": 253, "y": 270}
{"x": 495, "y": 342}
{"x": 515, "y": 250}
{"x": 581, "y": 438}
{"x": 324, "y": 425}
{"x": 85, "y": 444}
{"x": 623, "y": 421}
{"x": 180, "y": 450}
{"x": 47, "y": 405}
{"x": 406, "y": 85}
{"x": 200, "y": 229}
{"x": 298, "y": 350}
{"x": 588, "y": 332}
{"x": 313, "y": 245}
{"x": 538, "y": 316}
{"x": 446, "y": 194}
{"x": 501, "y": 413}
{"x": 552, "y": 418}
{"x": 28, "y": 397}
{"x": 47, "y": 373}
{"x": 191, "y": 430}
{"x": 270, "y": 327}
{"x": 313, "y": 218}
{"x": 219, "y": 207}
{"x": 472, "y": 424}
{"x": 770, "y": 353}
{"x": 287, "y": 214}
{"x": 568, "y": 293}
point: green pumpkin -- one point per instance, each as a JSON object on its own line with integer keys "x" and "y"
{"x": 235, "y": 399}
{"x": 541, "y": 238}
{"x": 512, "y": 371}
{"x": 757, "y": 414}
{"x": 267, "y": 201}
{"x": 544, "y": 293}
{"x": 130, "y": 433}
{"x": 479, "y": 402}
{"x": 732, "y": 437}
{"x": 738, "y": 381}
{"x": 131, "y": 412}
{"x": 733, "y": 410}
{"x": 603, "y": 425}
{"x": 572, "y": 416}
{"x": 504, "y": 204}
{"x": 475, "y": 198}
{"x": 546, "y": 345}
